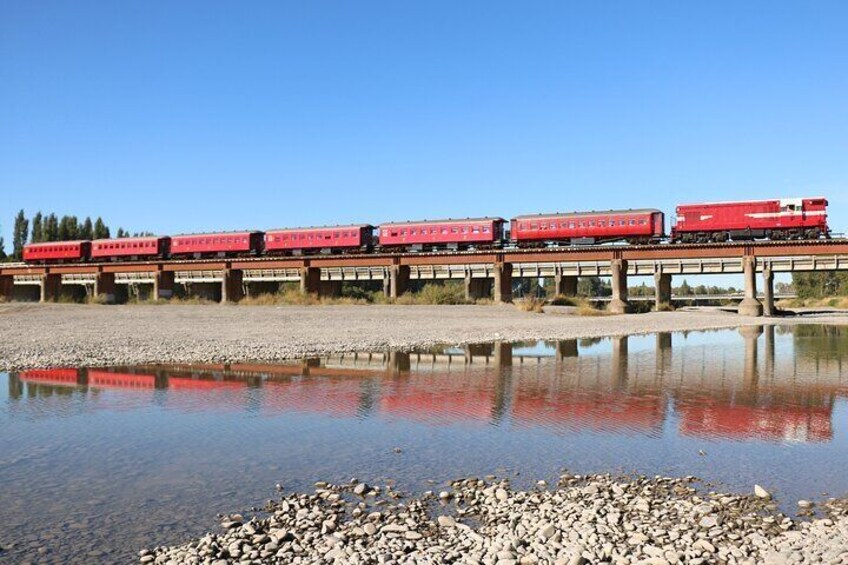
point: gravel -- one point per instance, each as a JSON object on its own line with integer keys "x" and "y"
{"x": 584, "y": 519}
{"x": 34, "y": 335}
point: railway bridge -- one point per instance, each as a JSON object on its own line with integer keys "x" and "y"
{"x": 486, "y": 273}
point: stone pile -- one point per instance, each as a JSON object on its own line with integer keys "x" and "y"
{"x": 584, "y": 519}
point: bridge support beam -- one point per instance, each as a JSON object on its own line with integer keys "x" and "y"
{"x": 476, "y": 289}
{"x": 564, "y": 285}
{"x": 163, "y": 285}
{"x": 502, "y": 292}
{"x": 7, "y": 287}
{"x": 398, "y": 280}
{"x": 310, "y": 280}
{"x": 768, "y": 292}
{"x": 662, "y": 290}
{"x": 619, "y": 359}
{"x": 751, "y": 371}
{"x": 619, "y": 303}
{"x": 330, "y": 288}
{"x": 750, "y": 306}
{"x": 232, "y": 289}
{"x": 51, "y": 287}
{"x": 104, "y": 287}
{"x": 503, "y": 355}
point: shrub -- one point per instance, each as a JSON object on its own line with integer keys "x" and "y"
{"x": 531, "y": 304}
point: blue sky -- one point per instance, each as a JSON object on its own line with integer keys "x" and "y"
{"x": 190, "y": 116}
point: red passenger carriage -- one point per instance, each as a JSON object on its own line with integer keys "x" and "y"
{"x": 242, "y": 243}
{"x": 324, "y": 239}
{"x": 130, "y": 248}
{"x": 57, "y": 251}
{"x": 635, "y": 226}
{"x": 439, "y": 234}
{"x": 788, "y": 218}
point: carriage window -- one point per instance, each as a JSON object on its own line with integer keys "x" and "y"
{"x": 475, "y": 229}
{"x": 621, "y": 222}
{"x": 454, "y": 230}
{"x": 534, "y": 226}
{"x": 591, "y": 223}
{"x": 602, "y": 223}
{"x": 485, "y": 229}
{"x": 632, "y": 222}
{"x": 582, "y": 224}
{"x": 464, "y": 229}
{"x": 642, "y": 222}
{"x": 571, "y": 225}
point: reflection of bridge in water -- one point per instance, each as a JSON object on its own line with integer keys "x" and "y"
{"x": 742, "y": 390}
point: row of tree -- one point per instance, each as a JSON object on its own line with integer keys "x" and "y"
{"x": 820, "y": 285}
{"x": 50, "y": 227}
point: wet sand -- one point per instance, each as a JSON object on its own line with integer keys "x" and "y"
{"x": 35, "y": 335}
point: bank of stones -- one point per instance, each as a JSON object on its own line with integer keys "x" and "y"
{"x": 584, "y": 519}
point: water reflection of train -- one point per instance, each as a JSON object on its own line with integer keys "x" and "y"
{"x": 714, "y": 391}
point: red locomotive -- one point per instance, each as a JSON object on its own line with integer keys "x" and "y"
{"x": 476, "y": 233}
{"x": 789, "y": 218}
{"x": 57, "y": 251}
{"x": 296, "y": 241}
{"x": 634, "y": 226}
{"x": 220, "y": 244}
{"x": 130, "y": 248}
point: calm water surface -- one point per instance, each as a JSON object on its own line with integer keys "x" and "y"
{"x": 98, "y": 463}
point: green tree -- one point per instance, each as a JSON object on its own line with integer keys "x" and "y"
{"x": 37, "y": 230}
{"x": 100, "y": 229}
{"x": 19, "y": 234}
{"x": 50, "y": 229}
{"x": 3, "y": 256}
{"x": 87, "y": 229}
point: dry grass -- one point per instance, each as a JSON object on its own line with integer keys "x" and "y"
{"x": 586, "y": 308}
{"x": 531, "y": 304}
{"x": 293, "y": 297}
{"x": 561, "y": 300}
{"x": 665, "y": 307}
{"x": 840, "y": 302}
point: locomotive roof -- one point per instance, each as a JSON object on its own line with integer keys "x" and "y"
{"x": 735, "y": 202}
{"x": 309, "y": 228}
{"x": 588, "y": 214}
{"x": 445, "y": 221}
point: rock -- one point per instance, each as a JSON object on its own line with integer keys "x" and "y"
{"x": 446, "y": 521}
{"x": 445, "y": 495}
{"x": 502, "y": 495}
{"x": 360, "y": 489}
{"x": 805, "y": 504}
{"x": 369, "y": 529}
{"x": 547, "y": 531}
{"x": 760, "y": 492}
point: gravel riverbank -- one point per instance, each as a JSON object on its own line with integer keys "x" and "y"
{"x": 35, "y": 335}
{"x": 589, "y": 519}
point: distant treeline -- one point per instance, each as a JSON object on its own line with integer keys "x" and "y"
{"x": 50, "y": 227}
{"x": 820, "y": 285}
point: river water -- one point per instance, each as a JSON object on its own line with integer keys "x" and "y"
{"x": 98, "y": 463}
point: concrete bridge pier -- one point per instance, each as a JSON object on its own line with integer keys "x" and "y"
{"x": 662, "y": 289}
{"x": 163, "y": 285}
{"x": 51, "y": 287}
{"x": 619, "y": 359}
{"x": 7, "y": 287}
{"x": 502, "y": 291}
{"x": 476, "y": 289}
{"x": 566, "y": 348}
{"x": 310, "y": 280}
{"x": 564, "y": 285}
{"x": 768, "y": 292}
{"x": 619, "y": 304}
{"x": 751, "y": 372}
{"x": 232, "y": 289}
{"x": 398, "y": 280}
{"x": 399, "y": 362}
{"x": 104, "y": 287}
{"x": 750, "y": 306}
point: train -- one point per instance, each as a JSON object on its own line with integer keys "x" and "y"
{"x": 709, "y": 222}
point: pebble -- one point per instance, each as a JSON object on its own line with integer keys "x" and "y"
{"x": 760, "y": 492}
{"x": 585, "y": 519}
